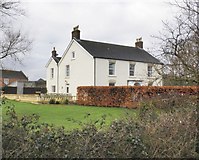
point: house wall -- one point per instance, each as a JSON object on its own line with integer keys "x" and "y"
{"x": 122, "y": 73}
{"x": 81, "y": 69}
{"x": 87, "y": 71}
{"x": 51, "y": 81}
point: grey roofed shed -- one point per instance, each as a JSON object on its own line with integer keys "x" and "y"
{"x": 13, "y": 74}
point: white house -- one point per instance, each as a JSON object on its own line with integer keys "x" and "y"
{"x": 91, "y": 63}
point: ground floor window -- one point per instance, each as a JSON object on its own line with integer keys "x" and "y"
{"x": 134, "y": 83}
{"x": 67, "y": 89}
{"x": 111, "y": 84}
{"x": 53, "y": 88}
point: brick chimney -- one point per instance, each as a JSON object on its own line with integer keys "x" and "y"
{"x": 54, "y": 52}
{"x": 76, "y": 32}
{"x": 139, "y": 43}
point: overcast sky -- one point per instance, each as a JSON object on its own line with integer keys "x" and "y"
{"x": 50, "y": 22}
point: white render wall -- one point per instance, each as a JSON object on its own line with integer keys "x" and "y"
{"x": 122, "y": 73}
{"x": 51, "y": 81}
{"x": 81, "y": 69}
{"x": 84, "y": 69}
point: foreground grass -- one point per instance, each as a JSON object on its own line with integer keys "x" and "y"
{"x": 63, "y": 115}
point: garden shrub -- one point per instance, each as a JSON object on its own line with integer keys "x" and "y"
{"x": 58, "y": 97}
{"x": 52, "y": 101}
{"x": 65, "y": 101}
{"x": 57, "y": 102}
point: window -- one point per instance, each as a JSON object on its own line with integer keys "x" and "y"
{"x": 52, "y": 72}
{"x": 149, "y": 71}
{"x": 6, "y": 81}
{"x": 134, "y": 82}
{"x": 53, "y": 88}
{"x": 111, "y": 84}
{"x": 131, "y": 69}
{"x": 73, "y": 55}
{"x": 67, "y": 70}
{"x": 111, "y": 68}
{"x": 67, "y": 89}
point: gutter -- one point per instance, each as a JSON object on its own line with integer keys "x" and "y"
{"x": 57, "y": 78}
{"x": 94, "y": 71}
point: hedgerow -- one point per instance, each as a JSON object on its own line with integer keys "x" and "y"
{"x": 129, "y": 96}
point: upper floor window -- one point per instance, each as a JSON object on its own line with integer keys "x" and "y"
{"x": 73, "y": 55}
{"x": 67, "y": 70}
{"x": 111, "y": 68}
{"x": 149, "y": 71}
{"x": 131, "y": 69}
{"x": 52, "y": 72}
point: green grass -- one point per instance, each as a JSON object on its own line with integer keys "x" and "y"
{"x": 58, "y": 115}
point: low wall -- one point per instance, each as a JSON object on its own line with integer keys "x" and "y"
{"x": 42, "y": 98}
{"x": 129, "y": 96}
{"x": 23, "y": 97}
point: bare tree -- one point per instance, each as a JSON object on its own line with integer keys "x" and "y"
{"x": 12, "y": 42}
{"x": 180, "y": 43}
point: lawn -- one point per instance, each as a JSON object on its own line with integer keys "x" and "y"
{"x": 59, "y": 115}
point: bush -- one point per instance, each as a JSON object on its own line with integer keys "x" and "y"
{"x": 156, "y": 133}
{"x": 170, "y": 132}
{"x": 57, "y": 102}
{"x": 26, "y": 138}
{"x": 66, "y": 101}
{"x": 52, "y": 101}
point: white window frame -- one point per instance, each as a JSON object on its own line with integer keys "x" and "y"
{"x": 150, "y": 71}
{"x": 67, "y": 70}
{"x": 112, "y": 68}
{"x": 131, "y": 69}
{"x": 52, "y": 73}
{"x": 73, "y": 55}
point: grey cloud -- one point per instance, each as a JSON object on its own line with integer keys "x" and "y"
{"x": 50, "y": 23}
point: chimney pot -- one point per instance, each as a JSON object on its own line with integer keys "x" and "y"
{"x": 139, "y": 43}
{"x": 76, "y": 32}
{"x": 54, "y": 52}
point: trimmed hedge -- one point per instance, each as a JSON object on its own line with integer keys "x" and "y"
{"x": 129, "y": 96}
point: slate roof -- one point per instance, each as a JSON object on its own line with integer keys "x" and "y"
{"x": 117, "y": 52}
{"x": 57, "y": 59}
{"x": 13, "y": 74}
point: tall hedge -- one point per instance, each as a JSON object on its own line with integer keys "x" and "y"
{"x": 128, "y": 96}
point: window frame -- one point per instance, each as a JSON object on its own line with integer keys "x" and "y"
{"x": 53, "y": 87}
{"x": 112, "y": 69}
{"x": 52, "y": 73}
{"x": 73, "y": 55}
{"x": 67, "y": 89}
{"x": 67, "y": 70}
{"x": 110, "y": 84}
{"x": 131, "y": 69}
{"x": 150, "y": 71}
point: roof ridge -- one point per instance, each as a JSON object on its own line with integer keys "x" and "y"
{"x": 108, "y": 43}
